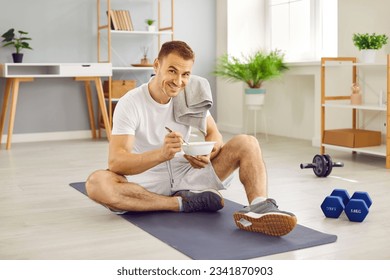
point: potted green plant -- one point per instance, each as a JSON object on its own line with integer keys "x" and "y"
{"x": 253, "y": 70}
{"x": 150, "y": 22}
{"x": 368, "y": 44}
{"x": 18, "y": 41}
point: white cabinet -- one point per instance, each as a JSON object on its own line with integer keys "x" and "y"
{"x": 55, "y": 70}
{"x": 335, "y": 101}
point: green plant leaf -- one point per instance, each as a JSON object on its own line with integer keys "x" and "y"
{"x": 253, "y": 69}
{"x": 18, "y": 42}
{"x": 369, "y": 41}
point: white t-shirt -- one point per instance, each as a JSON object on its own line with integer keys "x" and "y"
{"x": 138, "y": 114}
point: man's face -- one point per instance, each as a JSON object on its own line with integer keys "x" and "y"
{"x": 173, "y": 73}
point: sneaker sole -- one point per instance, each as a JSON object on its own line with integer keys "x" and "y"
{"x": 275, "y": 224}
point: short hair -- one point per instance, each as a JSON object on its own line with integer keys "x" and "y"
{"x": 178, "y": 47}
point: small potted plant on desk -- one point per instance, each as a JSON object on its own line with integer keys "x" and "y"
{"x": 253, "y": 70}
{"x": 19, "y": 42}
{"x": 369, "y": 44}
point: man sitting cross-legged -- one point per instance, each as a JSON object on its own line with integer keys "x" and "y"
{"x": 148, "y": 171}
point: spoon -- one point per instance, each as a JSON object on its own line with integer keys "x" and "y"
{"x": 170, "y": 130}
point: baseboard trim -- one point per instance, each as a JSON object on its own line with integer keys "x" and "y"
{"x": 48, "y": 136}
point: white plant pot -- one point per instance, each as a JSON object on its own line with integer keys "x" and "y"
{"x": 151, "y": 28}
{"x": 368, "y": 56}
{"x": 254, "y": 97}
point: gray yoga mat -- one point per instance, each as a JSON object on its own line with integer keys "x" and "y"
{"x": 214, "y": 236}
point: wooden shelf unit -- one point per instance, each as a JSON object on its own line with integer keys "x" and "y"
{"x": 382, "y": 150}
{"x": 105, "y": 27}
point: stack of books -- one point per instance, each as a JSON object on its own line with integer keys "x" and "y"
{"x": 121, "y": 20}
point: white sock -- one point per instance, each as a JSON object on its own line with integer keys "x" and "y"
{"x": 258, "y": 200}
{"x": 180, "y": 200}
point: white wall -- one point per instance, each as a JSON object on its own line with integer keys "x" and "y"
{"x": 289, "y": 104}
{"x": 61, "y": 31}
{"x": 66, "y": 31}
{"x": 362, "y": 16}
{"x": 238, "y": 33}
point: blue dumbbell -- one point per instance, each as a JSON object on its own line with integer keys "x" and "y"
{"x": 334, "y": 204}
{"x": 357, "y": 208}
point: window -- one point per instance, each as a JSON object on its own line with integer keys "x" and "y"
{"x": 303, "y": 29}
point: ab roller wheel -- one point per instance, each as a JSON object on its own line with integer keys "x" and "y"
{"x": 322, "y": 165}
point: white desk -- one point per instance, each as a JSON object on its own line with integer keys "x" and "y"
{"x": 15, "y": 73}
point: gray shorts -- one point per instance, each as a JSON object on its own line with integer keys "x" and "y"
{"x": 177, "y": 174}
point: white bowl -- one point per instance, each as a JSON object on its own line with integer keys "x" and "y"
{"x": 198, "y": 148}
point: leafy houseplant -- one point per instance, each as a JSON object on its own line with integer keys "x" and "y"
{"x": 369, "y": 41}
{"x": 253, "y": 69}
{"x": 18, "y": 41}
{"x": 368, "y": 44}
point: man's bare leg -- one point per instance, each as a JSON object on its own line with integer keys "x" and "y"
{"x": 115, "y": 192}
{"x": 243, "y": 151}
{"x": 262, "y": 215}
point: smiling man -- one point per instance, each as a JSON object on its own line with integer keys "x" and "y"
{"x": 148, "y": 171}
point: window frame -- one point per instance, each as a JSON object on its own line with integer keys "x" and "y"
{"x": 317, "y": 31}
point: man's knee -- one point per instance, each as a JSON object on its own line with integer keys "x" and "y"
{"x": 244, "y": 142}
{"x": 100, "y": 185}
{"x": 93, "y": 182}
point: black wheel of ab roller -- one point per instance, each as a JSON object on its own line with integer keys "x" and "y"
{"x": 322, "y": 165}
{"x": 319, "y": 165}
{"x": 329, "y": 165}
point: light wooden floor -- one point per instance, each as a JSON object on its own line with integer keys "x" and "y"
{"x": 41, "y": 217}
